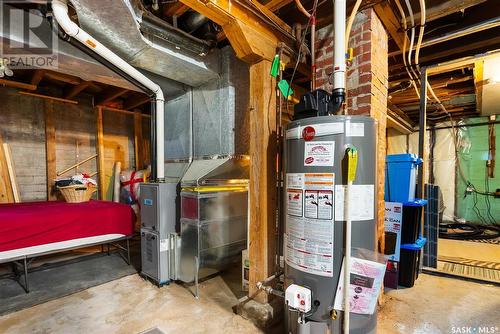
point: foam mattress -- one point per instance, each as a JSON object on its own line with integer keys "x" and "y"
{"x": 38, "y": 223}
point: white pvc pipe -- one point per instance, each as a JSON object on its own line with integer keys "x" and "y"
{"x": 347, "y": 257}
{"x": 339, "y": 66}
{"x": 60, "y": 10}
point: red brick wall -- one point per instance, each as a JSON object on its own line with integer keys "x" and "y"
{"x": 366, "y": 83}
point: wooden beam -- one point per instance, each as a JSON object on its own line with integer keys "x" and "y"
{"x": 122, "y": 111}
{"x": 17, "y": 84}
{"x": 138, "y": 147}
{"x": 176, "y": 9}
{"x": 252, "y": 38}
{"x": 110, "y": 94}
{"x": 275, "y": 5}
{"x": 439, "y": 56}
{"x": 135, "y": 101}
{"x": 391, "y": 23}
{"x": 50, "y": 148}
{"x": 478, "y": 83}
{"x": 48, "y": 97}
{"x": 445, "y": 8}
{"x": 6, "y": 194}
{"x": 75, "y": 90}
{"x": 12, "y": 172}
{"x": 63, "y": 77}
{"x": 100, "y": 152}
{"x": 37, "y": 77}
{"x": 262, "y": 192}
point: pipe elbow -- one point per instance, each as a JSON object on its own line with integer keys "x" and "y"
{"x": 60, "y": 10}
{"x": 159, "y": 94}
{"x": 338, "y": 98}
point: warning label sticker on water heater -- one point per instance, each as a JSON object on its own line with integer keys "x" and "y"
{"x": 309, "y": 222}
{"x": 319, "y": 153}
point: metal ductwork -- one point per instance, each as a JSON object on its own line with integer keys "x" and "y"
{"x": 194, "y": 21}
{"x": 147, "y": 42}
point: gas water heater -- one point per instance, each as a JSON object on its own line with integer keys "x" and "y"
{"x": 314, "y": 241}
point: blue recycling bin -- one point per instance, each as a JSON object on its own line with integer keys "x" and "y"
{"x": 401, "y": 177}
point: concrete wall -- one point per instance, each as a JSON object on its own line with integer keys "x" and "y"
{"x": 22, "y": 126}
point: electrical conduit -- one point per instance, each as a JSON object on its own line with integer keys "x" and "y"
{"x": 60, "y": 10}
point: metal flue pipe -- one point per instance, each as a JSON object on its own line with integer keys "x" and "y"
{"x": 60, "y": 10}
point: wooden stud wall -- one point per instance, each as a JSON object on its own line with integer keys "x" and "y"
{"x": 50, "y": 148}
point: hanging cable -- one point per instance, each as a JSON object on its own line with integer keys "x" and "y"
{"x": 405, "y": 27}
{"x": 350, "y": 22}
{"x": 421, "y": 32}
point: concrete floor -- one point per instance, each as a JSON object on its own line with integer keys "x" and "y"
{"x": 437, "y": 304}
{"x": 132, "y": 305}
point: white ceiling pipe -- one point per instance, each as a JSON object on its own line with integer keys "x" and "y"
{"x": 339, "y": 28}
{"x": 60, "y": 10}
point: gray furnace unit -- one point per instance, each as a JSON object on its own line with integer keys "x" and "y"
{"x": 315, "y": 175}
{"x": 158, "y": 217}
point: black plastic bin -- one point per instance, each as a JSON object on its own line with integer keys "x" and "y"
{"x": 391, "y": 239}
{"x": 409, "y": 262}
{"x": 412, "y": 214}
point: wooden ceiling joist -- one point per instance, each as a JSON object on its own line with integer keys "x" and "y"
{"x": 252, "y": 37}
{"x": 62, "y": 77}
{"x": 445, "y": 8}
{"x": 135, "y": 101}
{"x": 109, "y": 95}
{"x": 275, "y": 5}
{"x": 391, "y": 23}
{"x": 77, "y": 89}
{"x": 176, "y": 9}
{"x": 37, "y": 77}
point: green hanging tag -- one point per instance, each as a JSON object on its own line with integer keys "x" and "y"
{"x": 352, "y": 160}
{"x": 275, "y": 67}
{"x": 285, "y": 88}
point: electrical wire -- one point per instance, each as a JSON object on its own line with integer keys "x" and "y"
{"x": 421, "y": 32}
{"x": 405, "y": 27}
{"x": 468, "y": 231}
{"x": 350, "y": 21}
{"x": 300, "y": 51}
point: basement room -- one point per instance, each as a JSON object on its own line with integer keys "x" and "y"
{"x": 218, "y": 166}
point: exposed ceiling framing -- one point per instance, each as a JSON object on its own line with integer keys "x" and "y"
{"x": 70, "y": 89}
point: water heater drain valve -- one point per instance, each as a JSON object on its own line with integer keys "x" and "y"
{"x": 298, "y": 297}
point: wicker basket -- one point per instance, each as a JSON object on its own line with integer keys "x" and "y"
{"x": 77, "y": 193}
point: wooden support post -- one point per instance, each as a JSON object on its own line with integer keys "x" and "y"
{"x": 263, "y": 149}
{"x": 50, "y": 148}
{"x": 138, "y": 146}
{"x": 6, "y": 194}
{"x": 100, "y": 153}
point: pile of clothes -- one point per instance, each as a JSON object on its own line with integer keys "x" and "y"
{"x": 83, "y": 179}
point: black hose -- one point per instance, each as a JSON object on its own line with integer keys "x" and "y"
{"x": 468, "y": 231}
